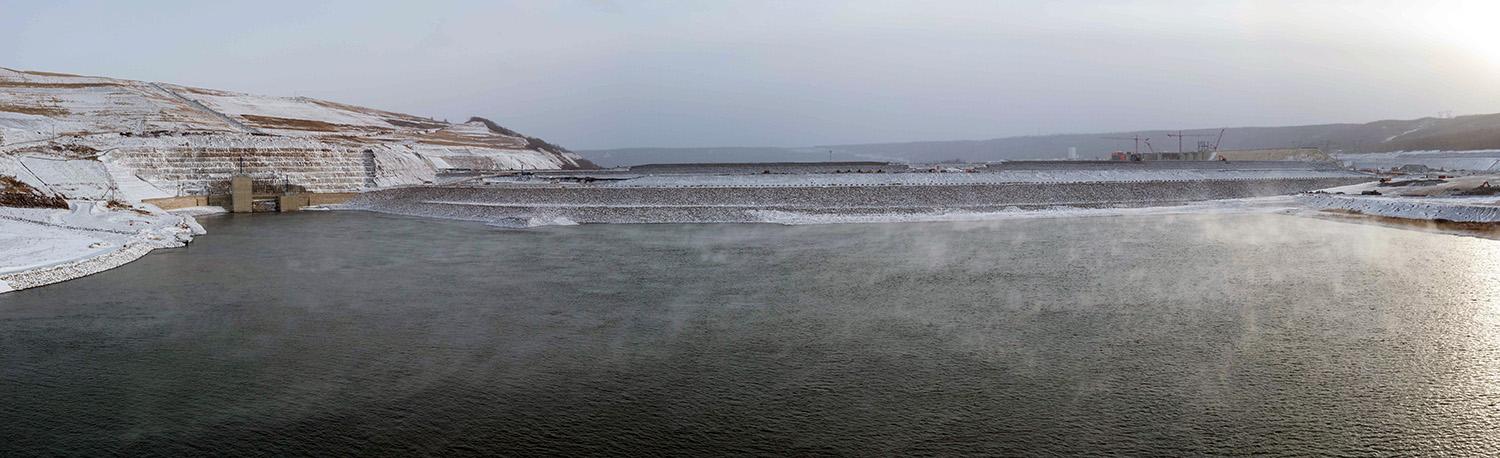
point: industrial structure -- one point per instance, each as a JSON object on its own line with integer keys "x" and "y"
{"x": 1209, "y": 151}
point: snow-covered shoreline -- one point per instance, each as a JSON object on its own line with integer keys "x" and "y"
{"x": 70, "y": 217}
{"x": 1443, "y": 197}
{"x": 74, "y": 269}
{"x": 40, "y": 246}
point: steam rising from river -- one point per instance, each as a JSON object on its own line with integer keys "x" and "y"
{"x": 332, "y": 331}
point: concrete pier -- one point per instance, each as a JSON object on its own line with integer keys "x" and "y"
{"x": 291, "y": 202}
{"x": 241, "y": 194}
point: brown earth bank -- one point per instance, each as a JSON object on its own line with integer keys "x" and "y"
{"x": 15, "y": 193}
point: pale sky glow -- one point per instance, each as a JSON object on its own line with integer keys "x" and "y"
{"x": 599, "y": 74}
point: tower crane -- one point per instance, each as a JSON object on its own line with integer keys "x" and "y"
{"x": 1135, "y": 154}
{"x": 1179, "y": 135}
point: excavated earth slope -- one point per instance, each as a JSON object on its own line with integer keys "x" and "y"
{"x": 185, "y": 139}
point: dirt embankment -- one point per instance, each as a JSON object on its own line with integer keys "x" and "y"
{"x": 39, "y": 85}
{"x": 34, "y": 110}
{"x": 605, "y": 204}
{"x": 272, "y": 122}
{"x": 15, "y": 193}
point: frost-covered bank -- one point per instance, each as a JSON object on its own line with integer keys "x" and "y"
{"x": 1454, "y": 210}
{"x": 42, "y": 246}
{"x": 69, "y": 270}
{"x": 81, "y": 223}
{"x": 1434, "y": 197}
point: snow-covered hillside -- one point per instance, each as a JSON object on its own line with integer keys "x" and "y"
{"x": 183, "y": 138}
{"x": 63, "y": 219}
{"x": 79, "y": 154}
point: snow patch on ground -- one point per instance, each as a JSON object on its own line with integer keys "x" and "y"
{"x": 396, "y": 168}
{"x": 76, "y": 179}
{"x": 1393, "y": 137}
{"x": 33, "y": 240}
{"x": 25, "y": 245}
{"x": 238, "y": 105}
{"x": 130, "y": 186}
{"x": 202, "y": 211}
{"x": 40, "y": 246}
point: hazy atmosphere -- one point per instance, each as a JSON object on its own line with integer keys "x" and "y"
{"x": 606, "y": 74}
{"x": 763, "y": 228}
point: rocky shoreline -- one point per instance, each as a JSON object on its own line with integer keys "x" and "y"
{"x": 40, "y": 246}
{"x": 1414, "y": 208}
{"x": 16, "y": 281}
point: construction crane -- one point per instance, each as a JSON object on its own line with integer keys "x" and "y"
{"x": 1181, "y": 135}
{"x": 1135, "y": 154}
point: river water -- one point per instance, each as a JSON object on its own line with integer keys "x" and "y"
{"x": 360, "y": 333}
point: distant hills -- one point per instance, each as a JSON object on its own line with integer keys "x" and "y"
{"x": 1458, "y": 133}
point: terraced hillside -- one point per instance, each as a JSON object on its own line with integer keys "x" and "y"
{"x": 188, "y": 139}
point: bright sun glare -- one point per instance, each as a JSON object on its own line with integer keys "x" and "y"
{"x": 1472, "y": 27}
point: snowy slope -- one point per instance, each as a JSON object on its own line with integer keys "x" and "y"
{"x": 177, "y": 137}
{"x": 105, "y": 144}
{"x": 39, "y": 246}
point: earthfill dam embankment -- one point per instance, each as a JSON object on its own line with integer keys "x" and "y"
{"x": 670, "y": 204}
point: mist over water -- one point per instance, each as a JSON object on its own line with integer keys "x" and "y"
{"x": 1157, "y": 334}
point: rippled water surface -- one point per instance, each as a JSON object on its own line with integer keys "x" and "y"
{"x": 1165, "y": 335}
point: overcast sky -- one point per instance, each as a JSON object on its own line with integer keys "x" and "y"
{"x": 605, "y": 73}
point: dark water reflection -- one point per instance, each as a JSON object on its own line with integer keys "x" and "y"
{"x": 362, "y": 333}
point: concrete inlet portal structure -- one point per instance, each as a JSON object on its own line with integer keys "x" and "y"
{"x": 243, "y": 198}
{"x": 241, "y": 194}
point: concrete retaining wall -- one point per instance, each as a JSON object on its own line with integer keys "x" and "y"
{"x": 330, "y": 198}
{"x": 172, "y": 203}
{"x": 289, "y": 202}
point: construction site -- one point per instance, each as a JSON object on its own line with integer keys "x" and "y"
{"x": 1208, "y": 150}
